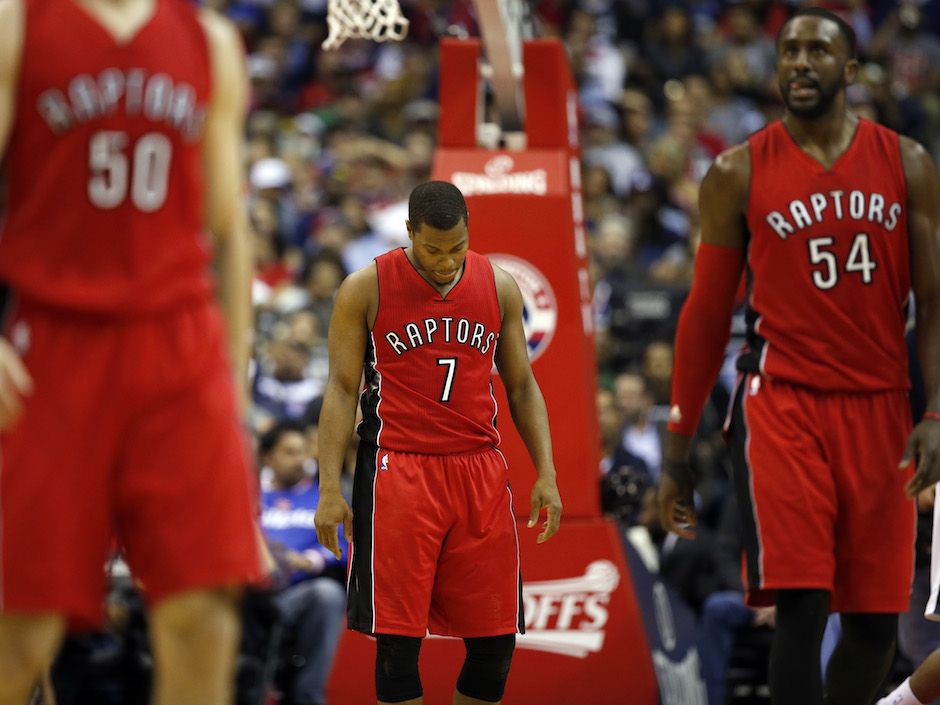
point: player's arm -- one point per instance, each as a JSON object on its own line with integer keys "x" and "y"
{"x": 15, "y": 381}
{"x": 11, "y": 50}
{"x": 356, "y": 301}
{"x": 526, "y": 404}
{"x": 704, "y": 327}
{"x": 923, "y": 222}
{"x": 225, "y": 210}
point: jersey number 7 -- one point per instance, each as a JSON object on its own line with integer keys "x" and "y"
{"x": 451, "y": 364}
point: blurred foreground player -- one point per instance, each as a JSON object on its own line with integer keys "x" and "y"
{"x": 836, "y": 218}
{"x": 434, "y": 538}
{"x": 120, "y": 125}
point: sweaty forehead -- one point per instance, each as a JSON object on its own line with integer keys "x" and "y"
{"x": 807, "y": 28}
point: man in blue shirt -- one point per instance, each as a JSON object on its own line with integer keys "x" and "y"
{"x": 313, "y": 602}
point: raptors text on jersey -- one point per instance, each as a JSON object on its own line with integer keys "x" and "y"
{"x": 828, "y": 263}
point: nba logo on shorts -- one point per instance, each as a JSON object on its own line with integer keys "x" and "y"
{"x": 384, "y": 465}
{"x": 540, "y": 310}
{"x": 20, "y": 337}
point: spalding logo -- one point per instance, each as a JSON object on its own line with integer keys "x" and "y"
{"x": 498, "y": 177}
{"x": 540, "y": 310}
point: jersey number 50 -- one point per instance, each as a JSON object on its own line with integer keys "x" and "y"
{"x": 116, "y": 168}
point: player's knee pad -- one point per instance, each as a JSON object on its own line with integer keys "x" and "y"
{"x": 486, "y": 667}
{"x": 396, "y": 668}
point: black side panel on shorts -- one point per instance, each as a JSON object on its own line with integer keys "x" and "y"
{"x": 521, "y": 624}
{"x": 6, "y": 305}
{"x": 742, "y": 484}
{"x": 359, "y": 606}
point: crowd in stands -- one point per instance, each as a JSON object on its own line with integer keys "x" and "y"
{"x": 336, "y": 141}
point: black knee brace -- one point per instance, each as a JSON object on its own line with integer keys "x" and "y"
{"x": 396, "y": 668}
{"x": 486, "y": 667}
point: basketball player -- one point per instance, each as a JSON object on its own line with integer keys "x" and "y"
{"x": 434, "y": 539}
{"x": 835, "y": 219}
{"x": 120, "y": 126}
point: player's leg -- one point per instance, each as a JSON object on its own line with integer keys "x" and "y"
{"x": 184, "y": 502}
{"x": 922, "y": 687}
{"x": 478, "y": 587}
{"x": 862, "y": 658}
{"x": 485, "y": 670}
{"x": 795, "y": 677}
{"x": 397, "y": 679}
{"x": 788, "y": 506}
{"x": 924, "y": 684}
{"x": 28, "y": 644}
{"x": 54, "y": 515}
{"x": 195, "y": 638}
{"x": 874, "y": 559}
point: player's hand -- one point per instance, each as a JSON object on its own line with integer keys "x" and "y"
{"x": 15, "y": 383}
{"x": 675, "y": 497}
{"x": 331, "y": 512}
{"x": 545, "y": 496}
{"x": 923, "y": 444}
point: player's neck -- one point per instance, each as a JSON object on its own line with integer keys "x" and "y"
{"x": 442, "y": 289}
{"x": 829, "y": 129}
{"x": 122, "y": 19}
{"x": 825, "y": 137}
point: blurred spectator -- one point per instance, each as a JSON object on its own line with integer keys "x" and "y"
{"x": 603, "y": 147}
{"x": 640, "y": 437}
{"x": 912, "y": 56}
{"x": 624, "y": 476}
{"x": 747, "y": 53}
{"x": 728, "y": 114}
{"x": 321, "y": 278}
{"x": 282, "y": 389}
{"x": 657, "y": 368}
{"x": 313, "y": 599}
{"x": 670, "y": 48}
{"x": 723, "y": 611}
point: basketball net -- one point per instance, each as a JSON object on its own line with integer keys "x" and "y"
{"x": 378, "y": 20}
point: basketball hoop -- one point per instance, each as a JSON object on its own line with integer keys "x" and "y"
{"x": 378, "y": 20}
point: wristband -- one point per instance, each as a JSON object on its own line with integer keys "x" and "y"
{"x": 932, "y": 415}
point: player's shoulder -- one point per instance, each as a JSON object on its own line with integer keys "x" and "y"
{"x": 503, "y": 278}
{"x": 362, "y": 282}
{"x": 11, "y": 30}
{"x": 914, "y": 156}
{"x": 728, "y": 178}
{"x": 734, "y": 162}
{"x": 358, "y": 297}
{"x": 220, "y": 31}
{"x": 507, "y": 289}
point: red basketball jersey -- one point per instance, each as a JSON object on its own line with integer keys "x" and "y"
{"x": 828, "y": 263}
{"x": 104, "y": 162}
{"x": 430, "y": 360}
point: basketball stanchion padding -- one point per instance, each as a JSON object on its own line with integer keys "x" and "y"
{"x": 378, "y": 20}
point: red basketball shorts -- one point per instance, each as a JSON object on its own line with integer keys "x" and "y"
{"x": 131, "y": 434}
{"x": 821, "y": 495}
{"x": 434, "y": 546}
